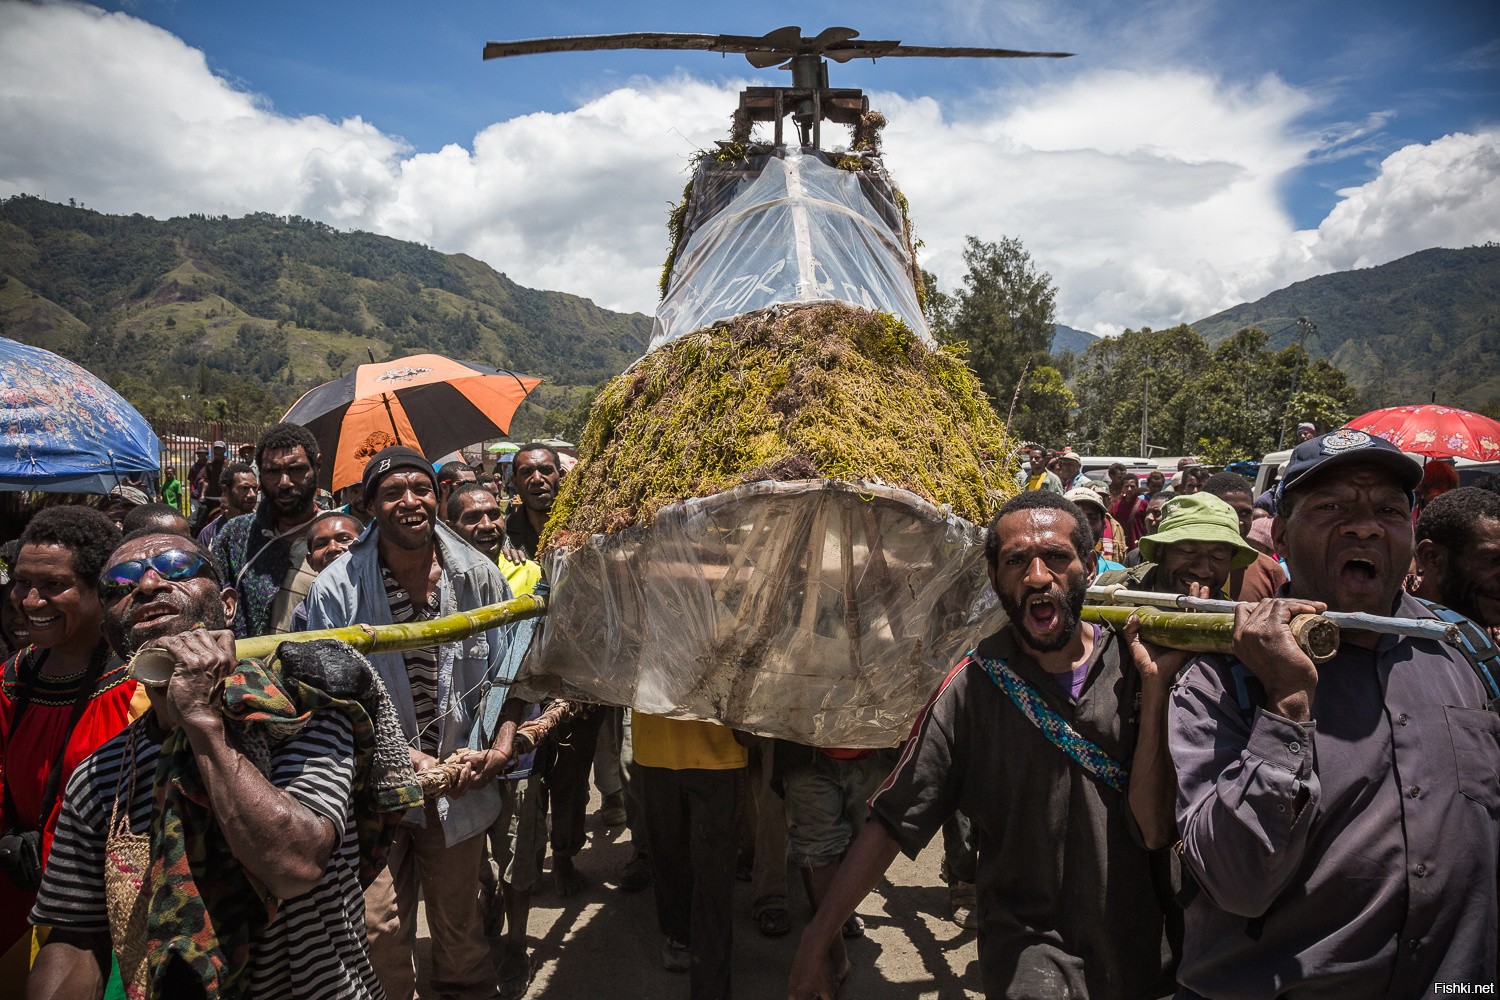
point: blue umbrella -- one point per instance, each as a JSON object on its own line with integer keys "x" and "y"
{"x": 64, "y": 431}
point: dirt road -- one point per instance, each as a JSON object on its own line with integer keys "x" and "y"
{"x": 604, "y": 942}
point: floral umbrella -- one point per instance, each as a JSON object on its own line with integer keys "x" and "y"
{"x": 1434, "y": 431}
{"x": 63, "y": 430}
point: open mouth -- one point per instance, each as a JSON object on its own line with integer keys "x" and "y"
{"x": 1359, "y": 574}
{"x": 38, "y": 624}
{"x": 1042, "y": 614}
{"x": 412, "y": 520}
{"x": 152, "y": 613}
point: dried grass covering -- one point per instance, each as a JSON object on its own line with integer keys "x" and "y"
{"x": 807, "y": 392}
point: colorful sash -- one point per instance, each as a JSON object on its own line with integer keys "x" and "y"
{"x": 1053, "y": 726}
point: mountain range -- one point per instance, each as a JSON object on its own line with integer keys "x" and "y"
{"x": 236, "y": 318}
{"x": 1422, "y": 327}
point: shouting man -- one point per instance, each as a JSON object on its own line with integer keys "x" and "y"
{"x": 1070, "y": 897}
{"x": 1340, "y": 821}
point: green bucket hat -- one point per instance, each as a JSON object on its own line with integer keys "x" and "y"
{"x": 1199, "y": 517}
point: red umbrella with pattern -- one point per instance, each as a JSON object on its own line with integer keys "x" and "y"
{"x": 1435, "y": 431}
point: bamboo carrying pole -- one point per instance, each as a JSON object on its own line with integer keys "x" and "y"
{"x": 1206, "y": 632}
{"x": 153, "y": 667}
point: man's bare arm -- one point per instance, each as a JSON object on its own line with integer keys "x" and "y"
{"x": 276, "y": 838}
{"x": 869, "y": 856}
{"x": 1153, "y": 782}
{"x": 72, "y": 965}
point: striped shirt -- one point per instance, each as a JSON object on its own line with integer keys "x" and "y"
{"x": 421, "y": 664}
{"x": 314, "y": 948}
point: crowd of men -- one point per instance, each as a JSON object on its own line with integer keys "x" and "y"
{"x": 1119, "y": 820}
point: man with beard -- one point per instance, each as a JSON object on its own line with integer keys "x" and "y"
{"x": 282, "y": 827}
{"x": 1339, "y": 820}
{"x": 241, "y": 490}
{"x": 1458, "y": 554}
{"x": 408, "y": 567}
{"x": 1070, "y": 901}
{"x": 1192, "y": 552}
{"x": 265, "y": 553}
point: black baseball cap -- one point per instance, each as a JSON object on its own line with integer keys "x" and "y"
{"x": 1336, "y": 449}
{"x": 388, "y": 460}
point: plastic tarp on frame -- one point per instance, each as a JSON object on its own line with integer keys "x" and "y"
{"x": 788, "y": 227}
{"x": 818, "y": 611}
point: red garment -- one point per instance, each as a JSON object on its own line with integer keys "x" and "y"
{"x": 28, "y": 750}
{"x": 1132, "y": 517}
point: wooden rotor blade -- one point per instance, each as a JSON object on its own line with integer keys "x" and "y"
{"x": 630, "y": 40}
{"x": 838, "y": 44}
{"x": 949, "y": 52}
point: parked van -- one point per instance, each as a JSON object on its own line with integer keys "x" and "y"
{"x": 1469, "y": 471}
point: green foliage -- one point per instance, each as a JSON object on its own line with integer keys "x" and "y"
{"x": 1239, "y": 400}
{"x": 1003, "y": 317}
{"x": 568, "y": 422}
{"x": 824, "y": 391}
{"x": 1427, "y": 323}
{"x": 272, "y": 305}
{"x": 1045, "y": 405}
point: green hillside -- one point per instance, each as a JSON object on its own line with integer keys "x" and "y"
{"x": 1427, "y": 323}
{"x": 236, "y": 318}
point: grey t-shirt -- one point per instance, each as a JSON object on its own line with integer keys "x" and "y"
{"x": 1070, "y": 903}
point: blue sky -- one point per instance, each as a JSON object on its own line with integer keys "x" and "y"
{"x": 1190, "y": 156}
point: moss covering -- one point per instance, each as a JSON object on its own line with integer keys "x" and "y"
{"x": 819, "y": 391}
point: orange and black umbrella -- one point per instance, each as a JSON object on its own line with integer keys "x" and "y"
{"x": 426, "y": 401}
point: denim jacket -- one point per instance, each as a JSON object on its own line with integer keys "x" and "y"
{"x": 350, "y": 592}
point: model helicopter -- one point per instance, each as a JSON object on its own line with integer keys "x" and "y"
{"x": 774, "y": 520}
{"x": 809, "y": 99}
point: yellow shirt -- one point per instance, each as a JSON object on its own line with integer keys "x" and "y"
{"x": 522, "y": 577}
{"x": 684, "y": 744}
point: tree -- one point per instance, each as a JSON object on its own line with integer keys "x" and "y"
{"x": 1236, "y": 401}
{"x": 1003, "y": 313}
{"x": 1161, "y": 369}
{"x": 1045, "y": 406}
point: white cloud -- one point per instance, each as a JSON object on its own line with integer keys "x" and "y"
{"x": 1444, "y": 193}
{"x": 1153, "y": 197}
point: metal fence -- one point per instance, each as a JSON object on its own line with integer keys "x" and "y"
{"x": 181, "y": 440}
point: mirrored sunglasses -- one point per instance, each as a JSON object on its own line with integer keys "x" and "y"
{"x": 173, "y": 564}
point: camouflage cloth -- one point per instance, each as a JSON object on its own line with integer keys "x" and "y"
{"x": 205, "y": 908}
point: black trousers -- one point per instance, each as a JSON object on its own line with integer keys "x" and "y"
{"x": 568, "y": 782}
{"x": 692, "y": 825}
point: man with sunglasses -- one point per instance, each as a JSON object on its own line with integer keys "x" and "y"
{"x": 408, "y": 567}
{"x": 281, "y": 820}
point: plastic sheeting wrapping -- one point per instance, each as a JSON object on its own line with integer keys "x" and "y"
{"x": 788, "y": 228}
{"x": 818, "y": 611}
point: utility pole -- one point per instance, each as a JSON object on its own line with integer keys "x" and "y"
{"x": 1308, "y": 326}
{"x": 1145, "y": 418}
